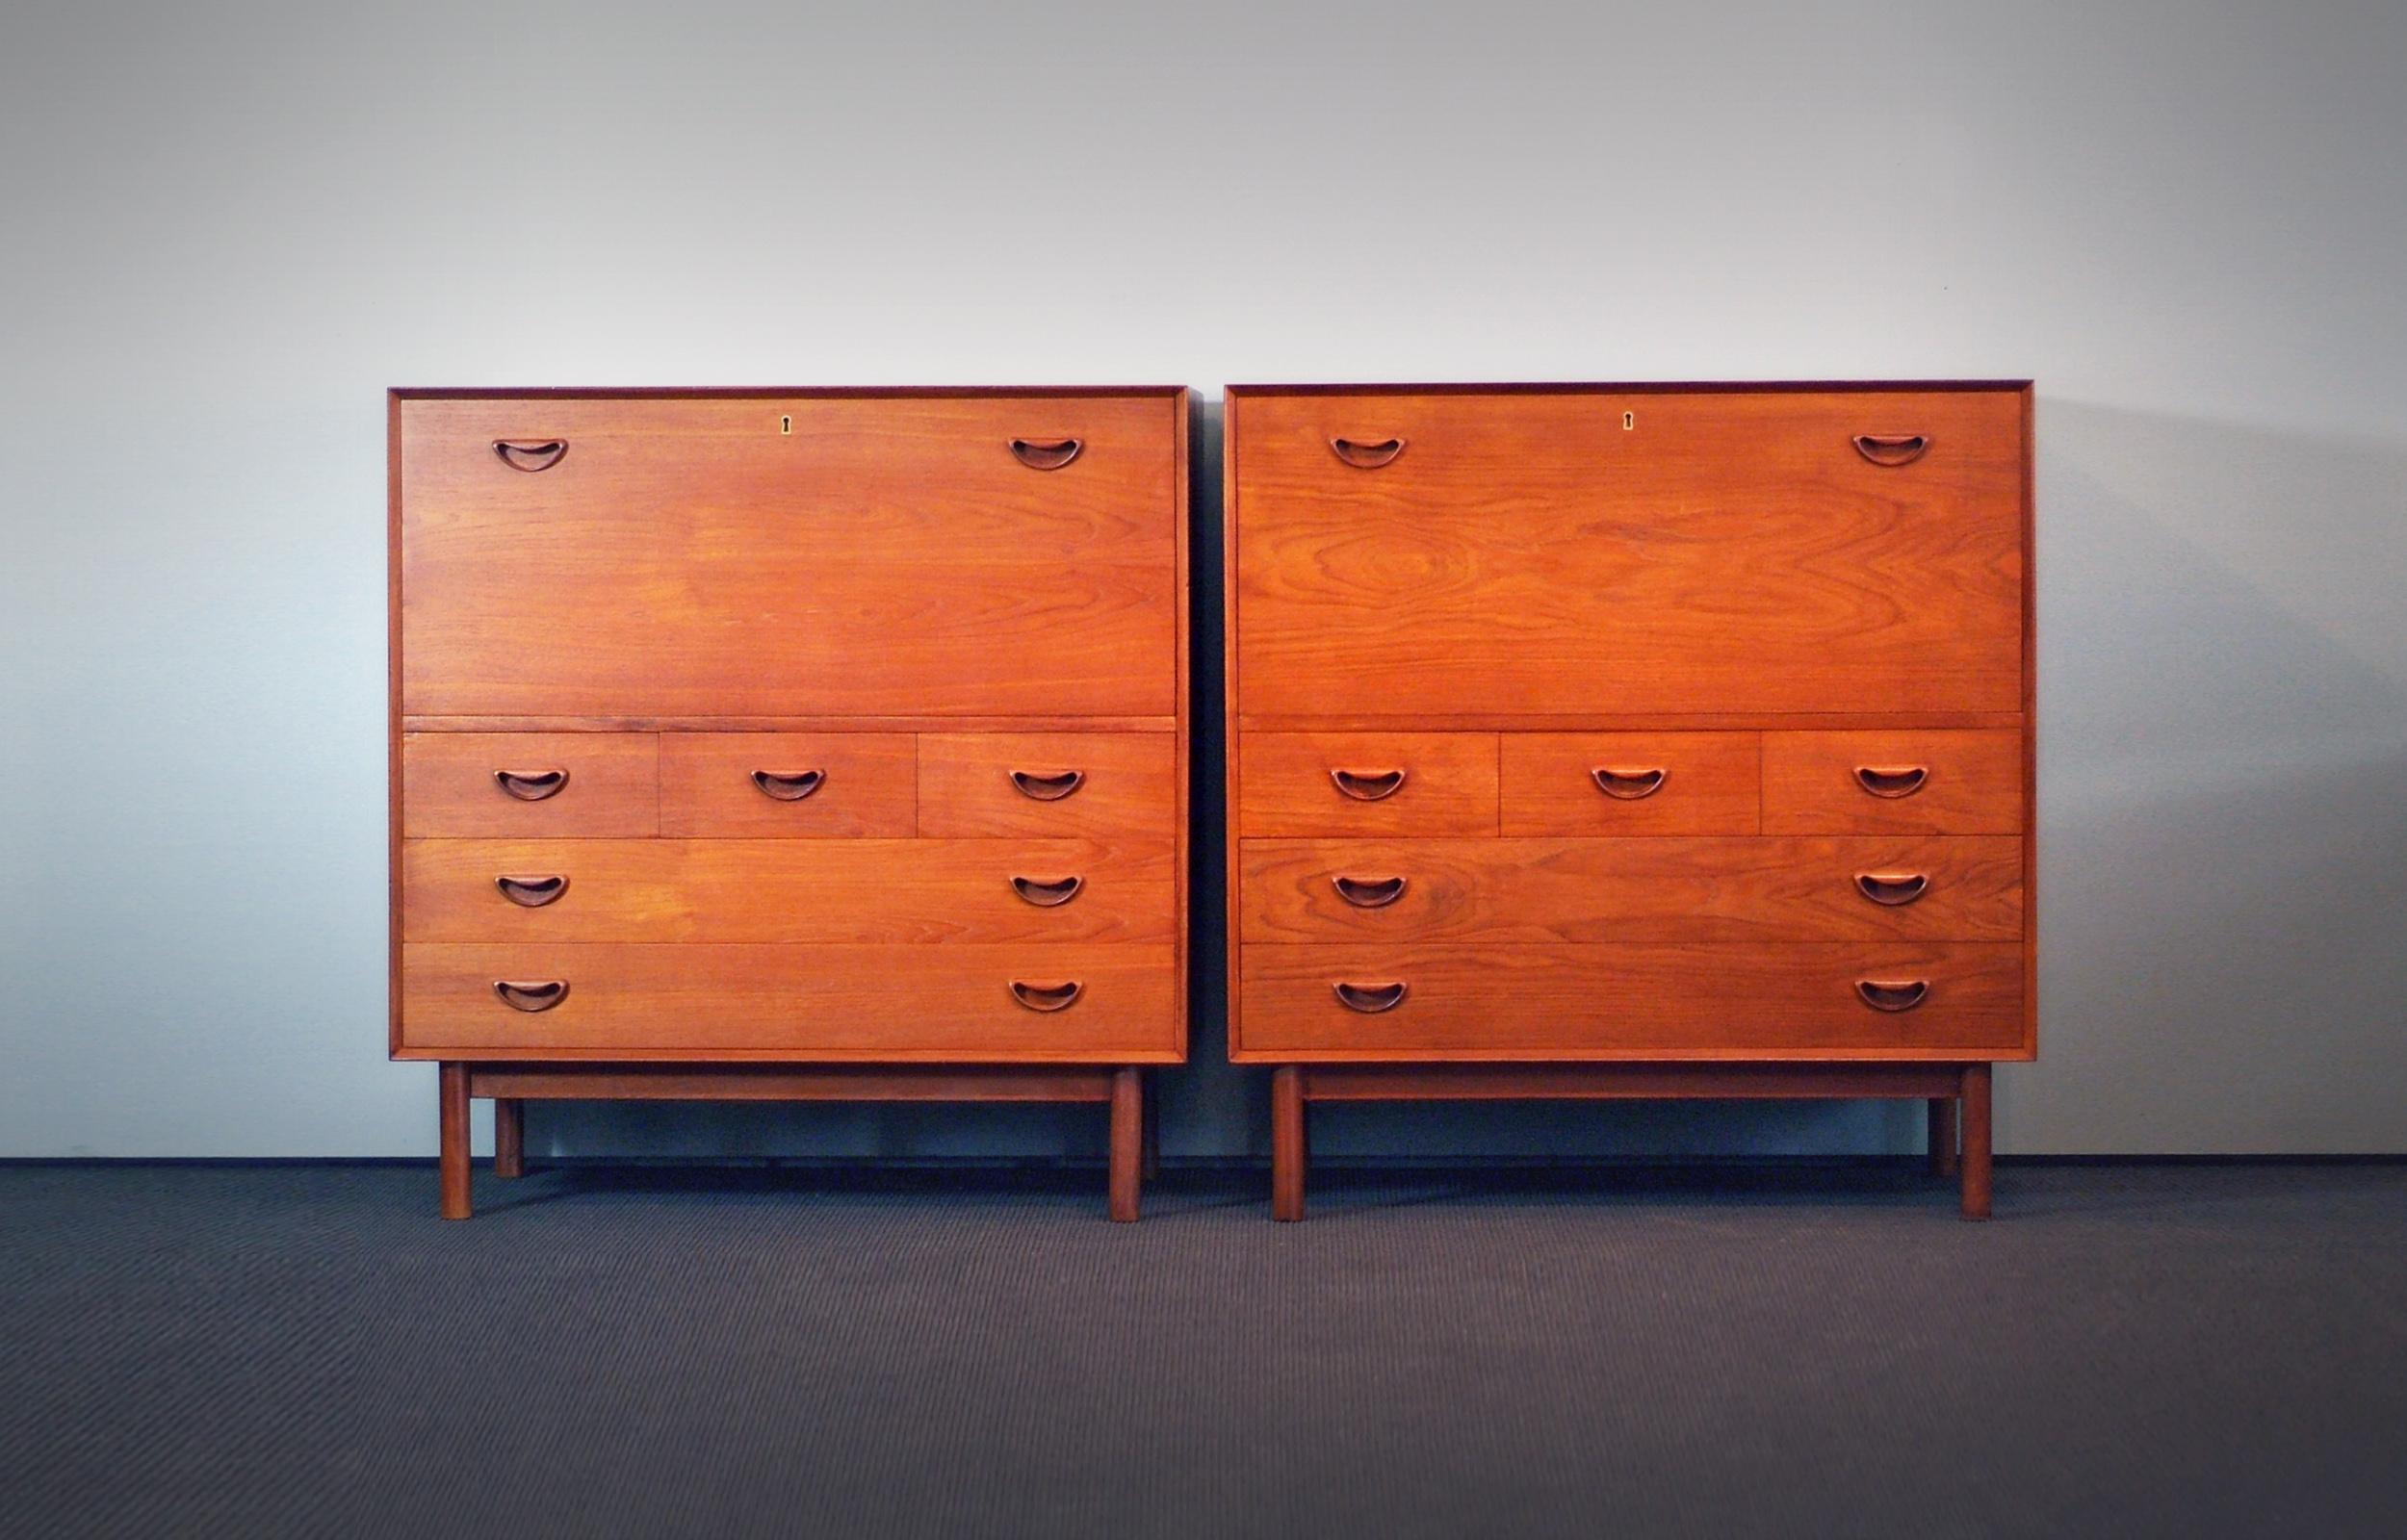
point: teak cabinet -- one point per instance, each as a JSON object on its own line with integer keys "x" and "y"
{"x": 1594, "y": 741}
{"x": 810, "y": 744}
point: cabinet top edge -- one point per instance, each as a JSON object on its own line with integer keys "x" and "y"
{"x": 687, "y": 392}
{"x": 1629, "y": 387}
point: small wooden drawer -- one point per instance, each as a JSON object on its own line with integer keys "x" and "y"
{"x": 528, "y": 784}
{"x": 854, "y": 891}
{"x": 1793, "y": 1000}
{"x": 786, "y": 785}
{"x": 1049, "y": 784}
{"x": 1366, "y": 784}
{"x": 1951, "y": 783}
{"x": 1632, "y": 783}
{"x": 1534, "y": 891}
{"x": 992, "y": 1003}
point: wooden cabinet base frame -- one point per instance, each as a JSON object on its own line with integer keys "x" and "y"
{"x": 510, "y": 1086}
{"x": 1945, "y": 1086}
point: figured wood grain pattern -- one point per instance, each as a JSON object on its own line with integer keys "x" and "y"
{"x": 774, "y": 890}
{"x": 1712, "y": 784}
{"x": 1792, "y": 999}
{"x": 1612, "y": 1082}
{"x": 1974, "y": 786}
{"x": 1674, "y": 888}
{"x": 1129, "y": 787}
{"x": 706, "y": 790}
{"x": 448, "y": 787}
{"x": 623, "y": 1080}
{"x": 1285, "y": 784}
{"x": 1527, "y": 553}
{"x": 687, "y": 558}
{"x": 702, "y": 1002}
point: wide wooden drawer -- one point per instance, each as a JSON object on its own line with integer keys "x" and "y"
{"x": 1957, "y": 783}
{"x": 990, "y": 1003}
{"x": 788, "y": 784}
{"x": 1604, "y": 551}
{"x": 830, "y": 556}
{"x": 764, "y": 890}
{"x": 1795, "y": 1000}
{"x": 1522, "y": 890}
{"x": 1099, "y": 786}
{"x": 1632, "y": 783}
{"x": 528, "y": 784}
{"x": 1366, "y": 784}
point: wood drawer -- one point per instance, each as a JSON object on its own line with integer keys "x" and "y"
{"x": 793, "y": 1002}
{"x": 1959, "y": 782}
{"x": 788, "y": 784}
{"x": 567, "y": 783}
{"x": 1527, "y": 552}
{"x": 888, "y": 556}
{"x": 1632, "y": 783}
{"x": 1392, "y": 783}
{"x": 771, "y": 891}
{"x": 1092, "y": 784}
{"x": 1521, "y": 890}
{"x": 1761, "y": 1001}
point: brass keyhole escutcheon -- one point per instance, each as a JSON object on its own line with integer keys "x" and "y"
{"x": 785, "y": 425}
{"x": 1629, "y": 420}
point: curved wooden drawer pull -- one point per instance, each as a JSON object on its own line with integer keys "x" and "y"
{"x": 1371, "y": 998}
{"x": 1047, "y": 996}
{"x": 1047, "y": 892}
{"x": 1370, "y": 893}
{"x": 1046, "y": 455}
{"x": 1368, "y": 786}
{"x": 531, "y": 996}
{"x": 1365, "y": 454}
{"x": 789, "y": 786}
{"x": 1902, "y": 994}
{"x": 1042, "y": 786}
{"x": 1891, "y": 780}
{"x": 1628, "y": 786}
{"x": 531, "y": 785}
{"x": 1891, "y": 449}
{"x": 1892, "y": 888}
{"x": 531, "y": 892}
{"x": 531, "y": 454}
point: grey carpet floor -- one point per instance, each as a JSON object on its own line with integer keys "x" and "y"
{"x": 1820, "y": 1352}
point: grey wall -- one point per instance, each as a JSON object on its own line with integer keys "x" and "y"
{"x": 228, "y": 227}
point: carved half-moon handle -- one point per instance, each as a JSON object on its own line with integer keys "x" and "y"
{"x": 1371, "y": 998}
{"x": 1046, "y": 455}
{"x": 531, "y": 454}
{"x": 1047, "y": 996}
{"x": 531, "y": 892}
{"x": 1892, "y": 888}
{"x": 531, "y": 785}
{"x": 1891, "y": 780}
{"x": 1628, "y": 786}
{"x": 1042, "y": 786}
{"x": 1891, "y": 449}
{"x": 531, "y": 996}
{"x": 790, "y": 785}
{"x": 1370, "y": 893}
{"x": 1368, "y": 786}
{"x": 1902, "y": 994}
{"x": 1047, "y": 892}
{"x": 1367, "y": 454}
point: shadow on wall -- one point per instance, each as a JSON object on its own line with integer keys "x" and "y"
{"x": 2223, "y": 795}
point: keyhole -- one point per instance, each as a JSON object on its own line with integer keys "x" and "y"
{"x": 785, "y": 425}
{"x": 1629, "y": 420}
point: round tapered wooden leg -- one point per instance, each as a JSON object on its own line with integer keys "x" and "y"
{"x": 1152, "y": 1108}
{"x": 510, "y": 1137}
{"x": 454, "y": 1161}
{"x": 1127, "y": 1156}
{"x": 1943, "y": 1136}
{"x": 1286, "y": 1143}
{"x": 1976, "y": 1156}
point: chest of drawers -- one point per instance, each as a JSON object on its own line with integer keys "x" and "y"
{"x": 1630, "y": 741}
{"x": 788, "y": 744}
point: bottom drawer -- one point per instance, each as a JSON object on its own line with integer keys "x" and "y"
{"x": 1800, "y": 1000}
{"x": 975, "y": 1003}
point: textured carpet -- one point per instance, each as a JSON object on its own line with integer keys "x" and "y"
{"x": 2127, "y": 1350}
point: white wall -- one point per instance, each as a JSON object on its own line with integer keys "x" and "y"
{"x": 227, "y": 228}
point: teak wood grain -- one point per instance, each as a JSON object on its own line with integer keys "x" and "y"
{"x": 1129, "y": 784}
{"x": 1712, "y": 783}
{"x": 1286, "y": 782}
{"x": 1973, "y": 785}
{"x": 448, "y": 785}
{"x": 867, "y": 786}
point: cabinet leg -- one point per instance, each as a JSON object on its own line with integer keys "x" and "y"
{"x": 1943, "y": 1136}
{"x": 453, "y": 1092}
{"x": 1286, "y": 1143}
{"x": 1976, "y": 1156}
{"x": 1128, "y": 1157}
{"x": 510, "y": 1137}
{"x": 1152, "y": 1117}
